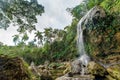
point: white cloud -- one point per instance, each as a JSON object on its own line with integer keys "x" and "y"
{"x": 6, "y": 35}
{"x": 55, "y": 16}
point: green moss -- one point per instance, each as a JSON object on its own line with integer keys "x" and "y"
{"x": 14, "y": 68}
{"x": 111, "y": 6}
{"x": 114, "y": 71}
{"x": 89, "y": 48}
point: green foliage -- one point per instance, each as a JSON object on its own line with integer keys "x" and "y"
{"x": 111, "y": 6}
{"x": 55, "y": 44}
{"x": 15, "y": 39}
{"x": 89, "y": 48}
{"x": 59, "y": 45}
{"x": 80, "y": 10}
{"x": 91, "y": 3}
{"x": 25, "y": 37}
{"x": 21, "y": 13}
{"x": 39, "y": 37}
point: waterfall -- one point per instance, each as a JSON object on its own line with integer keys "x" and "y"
{"x": 86, "y": 21}
{"x": 84, "y": 58}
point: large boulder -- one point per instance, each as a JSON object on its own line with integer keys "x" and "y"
{"x": 96, "y": 69}
{"x": 79, "y": 66}
{"x": 114, "y": 71}
{"x": 76, "y": 66}
{"x": 14, "y": 69}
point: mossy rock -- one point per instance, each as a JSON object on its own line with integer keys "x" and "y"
{"x": 108, "y": 77}
{"x": 96, "y": 69}
{"x": 114, "y": 71}
{"x": 14, "y": 68}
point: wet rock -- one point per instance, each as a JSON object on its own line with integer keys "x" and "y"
{"x": 96, "y": 69}
{"x": 13, "y": 69}
{"x": 76, "y": 66}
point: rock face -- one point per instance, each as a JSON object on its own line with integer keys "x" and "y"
{"x": 96, "y": 69}
{"x": 13, "y": 69}
{"x": 92, "y": 17}
{"x": 101, "y": 35}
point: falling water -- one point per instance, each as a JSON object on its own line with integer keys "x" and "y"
{"x": 85, "y": 22}
{"x": 84, "y": 58}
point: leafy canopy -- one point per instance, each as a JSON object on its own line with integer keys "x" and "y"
{"x": 21, "y": 13}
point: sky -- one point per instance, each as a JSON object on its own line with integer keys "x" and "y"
{"x": 55, "y": 16}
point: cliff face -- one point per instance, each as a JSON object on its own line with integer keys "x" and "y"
{"x": 102, "y": 33}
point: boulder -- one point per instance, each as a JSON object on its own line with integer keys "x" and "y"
{"x": 76, "y": 66}
{"x": 96, "y": 69}
{"x": 114, "y": 71}
{"x": 14, "y": 68}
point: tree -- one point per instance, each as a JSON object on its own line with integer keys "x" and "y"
{"x": 25, "y": 37}
{"x": 48, "y": 33}
{"x": 58, "y": 34}
{"x": 32, "y": 44}
{"x": 16, "y": 39}
{"x": 39, "y": 37}
{"x": 80, "y": 10}
{"x": 21, "y": 13}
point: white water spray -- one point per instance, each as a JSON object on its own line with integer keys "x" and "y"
{"x": 84, "y": 58}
